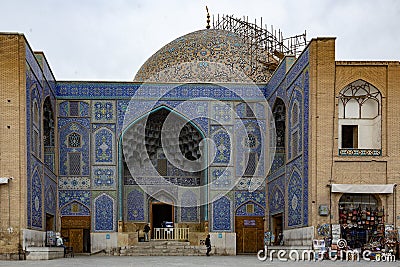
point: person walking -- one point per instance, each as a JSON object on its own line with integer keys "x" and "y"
{"x": 208, "y": 245}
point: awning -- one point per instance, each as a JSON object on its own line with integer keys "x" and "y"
{"x": 363, "y": 188}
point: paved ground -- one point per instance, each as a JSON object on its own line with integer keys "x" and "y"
{"x": 162, "y": 261}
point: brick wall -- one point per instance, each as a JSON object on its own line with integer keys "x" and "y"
{"x": 327, "y": 79}
{"x": 12, "y": 140}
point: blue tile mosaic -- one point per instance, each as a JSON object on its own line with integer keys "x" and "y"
{"x": 242, "y": 197}
{"x": 119, "y": 90}
{"x": 250, "y": 184}
{"x": 249, "y": 140}
{"x": 222, "y": 212}
{"x": 189, "y": 209}
{"x": 73, "y": 183}
{"x": 135, "y": 205}
{"x": 66, "y": 197}
{"x": 222, "y": 178}
{"x": 276, "y": 195}
{"x": 75, "y": 208}
{"x": 104, "y": 213}
{"x": 295, "y": 199}
{"x": 103, "y": 144}
{"x": 50, "y": 196}
{"x": 222, "y": 137}
{"x": 33, "y": 64}
{"x": 222, "y": 112}
{"x": 37, "y": 201}
{"x": 103, "y": 111}
{"x": 103, "y": 177}
{"x": 69, "y": 126}
{"x": 257, "y": 210}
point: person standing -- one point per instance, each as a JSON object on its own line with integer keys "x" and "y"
{"x": 208, "y": 245}
{"x": 146, "y": 232}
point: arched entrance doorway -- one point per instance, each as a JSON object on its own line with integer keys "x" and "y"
{"x": 249, "y": 228}
{"x": 160, "y": 213}
{"x": 150, "y": 164}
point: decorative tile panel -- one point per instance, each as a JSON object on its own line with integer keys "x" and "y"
{"x": 135, "y": 205}
{"x": 103, "y": 145}
{"x": 50, "y": 196}
{"x": 248, "y": 140}
{"x": 37, "y": 201}
{"x": 120, "y": 90}
{"x": 189, "y": 209}
{"x": 221, "y": 211}
{"x": 222, "y": 112}
{"x": 256, "y": 210}
{"x": 295, "y": 200}
{"x": 250, "y": 183}
{"x": 67, "y": 196}
{"x": 103, "y": 111}
{"x": 103, "y": 177}
{"x": 222, "y": 178}
{"x": 242, "y": 197}
{"x": 75, "y": 208}
{"x": 295, "y": 130}
{"x": 82, "y": 106}
{"x": 104, "y": 213}
{"x": 276, "y": 196}
{"x": 222, "y": 137}
{"x": 73, "y": 183}
{"x": 77, "y": 126}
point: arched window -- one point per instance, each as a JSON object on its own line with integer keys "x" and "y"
{"x": 295, "y": 114}
{"x": 48, "y": 124}
{"x": 35, "y": 129}
{"x": 35, "y": 114}
{"x": 360, "y": 109}
{"x": 279, "y": 113}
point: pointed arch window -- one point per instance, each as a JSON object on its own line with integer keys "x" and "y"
{"x": 360, "y": 115}
{"x": 48, "y": 124}
{"x": 35, "y": 114}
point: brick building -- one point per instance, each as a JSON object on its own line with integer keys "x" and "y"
{"x": 71, "y": 151}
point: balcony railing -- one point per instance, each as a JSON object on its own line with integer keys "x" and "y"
{"x": 171, "y": 234}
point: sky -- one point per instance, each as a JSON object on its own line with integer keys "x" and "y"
{"x": 109, "y": 40}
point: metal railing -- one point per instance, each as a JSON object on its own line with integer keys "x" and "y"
{"x": 171, "y": 234}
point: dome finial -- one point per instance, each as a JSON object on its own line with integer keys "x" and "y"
{"x": 208, "y": 19}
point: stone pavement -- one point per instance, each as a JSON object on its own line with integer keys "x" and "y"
{"x": 187, "y": 261}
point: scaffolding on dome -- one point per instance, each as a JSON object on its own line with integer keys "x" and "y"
{"x": 265, "y": 47}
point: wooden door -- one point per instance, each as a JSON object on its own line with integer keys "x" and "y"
{"x": 72, "y": 228}
{"x": 249, "y": 240}
{"x": 249, "y": 234}
{"x": 76, "y": 239}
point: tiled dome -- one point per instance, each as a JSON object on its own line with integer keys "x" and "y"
{"x": 204, "y": 56}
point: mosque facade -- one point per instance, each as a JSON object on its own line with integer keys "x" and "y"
{"x": 201, "y": 138}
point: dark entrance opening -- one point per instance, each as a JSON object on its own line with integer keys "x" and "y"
{"x": 49, "y": 222}
{"x": 277, "y": 226}
{"x": 86, "y": 240}
{"x": 161, "y": 212}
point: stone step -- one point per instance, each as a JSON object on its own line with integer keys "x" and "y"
{"x": 163, "y": 248}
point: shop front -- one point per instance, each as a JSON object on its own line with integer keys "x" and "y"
{"x": 362, "y": 217}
